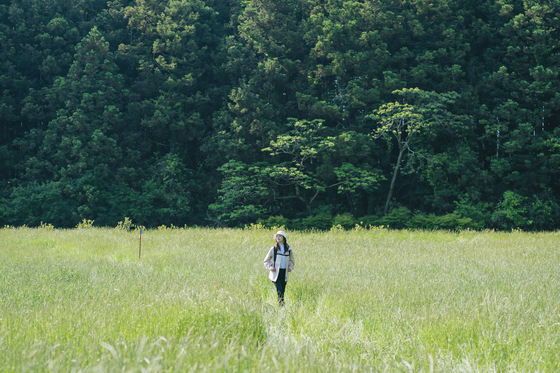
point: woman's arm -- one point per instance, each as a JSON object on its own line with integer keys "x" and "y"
{"x": 268, "y": 264}
{"x": 292, "y": 261}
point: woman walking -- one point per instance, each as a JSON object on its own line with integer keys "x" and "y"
{"x": 279, "y": 261}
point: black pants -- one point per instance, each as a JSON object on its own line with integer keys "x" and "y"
{"x": 281, "y": 285}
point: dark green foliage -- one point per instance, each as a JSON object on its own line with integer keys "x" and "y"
{"x": 400, "y": 218}
{"x": 515, "y": 211}
{"x": 368, "y": 221}
{"x": 320, "y": 222}
{"x": 480, "y": 214}
{"x": 304, "y": 114}
{"x": 38, "y": 203}
{"x": 274, "y": 221}
{"x": 446, "y": 222}
{"x": 345, "y": 220}
{"x": 243, "y": 190}
{"x": 542, "y": 215}
{"x": 397, "y": 218}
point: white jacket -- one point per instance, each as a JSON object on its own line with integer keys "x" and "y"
{"x": 269, "y": 263}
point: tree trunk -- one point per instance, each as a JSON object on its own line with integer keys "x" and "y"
{"x": 395, "y": 172}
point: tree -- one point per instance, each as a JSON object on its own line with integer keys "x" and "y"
{"x": 250, "y": 190}
{"x": 242, "y": 194}
{"x": 403, "y": 122}
{"x": 302, "y": 144}
{"x": 353, "y": 179}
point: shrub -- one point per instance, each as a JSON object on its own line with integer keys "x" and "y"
{"x": 480, "y": 214}
{"x": 294, "y": 224}
{"x": 322, "y": 222}
{"x": 368, "y": 220}
{"x": 37, "y": 203}
{"x": 422, "y": 221}
{"x": 454, "y": 221}
{"x": 85, "y": 224}
{"x": 345, "y": 220}
{"x": 274, "y": 221}
{"x": 397, "y": 218}
{"x": 432, "y": 222}
{"x": 125, "y": 225}
{"x": 510, "y": 212}
{"x": 542, "y": 215}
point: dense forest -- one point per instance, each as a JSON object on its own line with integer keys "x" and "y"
{"x": 305, "y": 113}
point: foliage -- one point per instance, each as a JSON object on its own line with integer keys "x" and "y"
{"x": 543, "y": 214}
{"x": 316, "y": 222}
{"x": 480, "y": 214}
{"x": 46, "y": 226}
{"x": 125, "y": 225}
{"x": 397, "y": 218}
{"x": 445, "y": 222}
{"x": 274, "y": 222}
{"x": 85, "y": 224}
{"x": 510, "y": 212}
{"x": 37, "y": 203}
{"x": 405, "y": 122}
{"x": 242, "y": 190}
{"x": 345, "y": 220}
{"x": 222, "y": 113}
{"x": 302, "y": 143}
{"x": 368, "y": 221}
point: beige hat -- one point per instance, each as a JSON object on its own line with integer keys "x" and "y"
{"x": 282, "y": 233}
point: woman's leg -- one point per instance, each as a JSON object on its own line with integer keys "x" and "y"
{"x": 281, "y": 286}
{"x": 281, "y": 299}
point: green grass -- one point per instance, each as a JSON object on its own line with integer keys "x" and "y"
{"x": 199, "y": 300}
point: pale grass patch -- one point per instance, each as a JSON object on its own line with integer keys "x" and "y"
{"x": 199, "y": 300}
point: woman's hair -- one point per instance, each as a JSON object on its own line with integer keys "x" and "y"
{"x": 286, "y": 246}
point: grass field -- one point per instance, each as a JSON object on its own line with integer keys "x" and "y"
{"x": 199, "y": 300}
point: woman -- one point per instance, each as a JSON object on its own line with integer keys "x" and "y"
{"x": 279, "y": 261}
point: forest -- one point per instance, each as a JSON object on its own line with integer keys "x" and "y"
{"x": 302, "y": 113}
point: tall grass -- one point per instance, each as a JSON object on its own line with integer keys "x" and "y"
{"x": 199, "y": 300}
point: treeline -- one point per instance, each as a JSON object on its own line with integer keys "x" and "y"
{"x": 444, "y": 113}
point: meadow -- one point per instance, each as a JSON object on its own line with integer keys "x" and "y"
{"x": 199, "y": 300}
